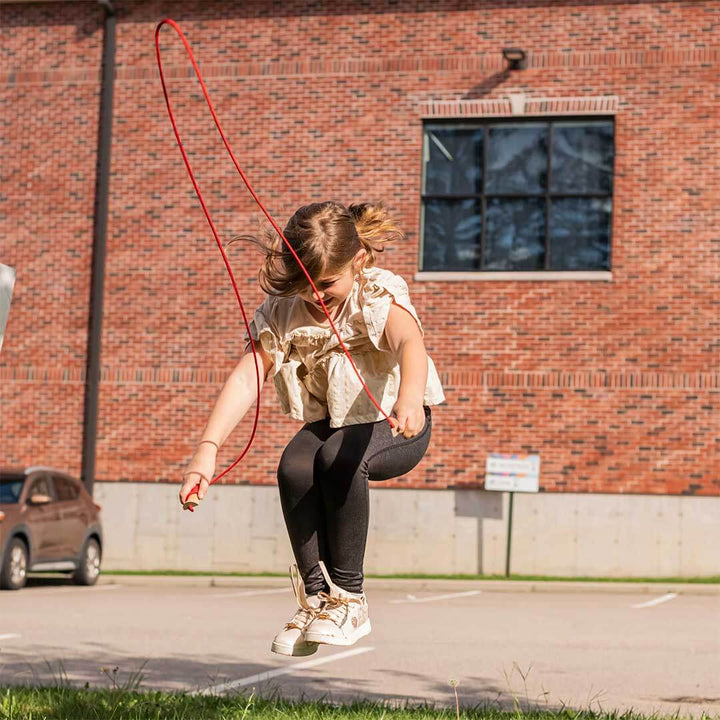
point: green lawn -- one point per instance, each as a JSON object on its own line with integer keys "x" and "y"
{"x": 66, "y": 703}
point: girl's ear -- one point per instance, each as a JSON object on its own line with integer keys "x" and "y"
{"x": 359, "y": 259}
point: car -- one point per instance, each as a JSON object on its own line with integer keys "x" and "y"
{"x": 48, "y": 523}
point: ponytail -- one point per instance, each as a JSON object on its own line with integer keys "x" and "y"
{"x": 374, "y": 228}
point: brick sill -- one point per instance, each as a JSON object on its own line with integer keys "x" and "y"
{"x": 535, "y": 275}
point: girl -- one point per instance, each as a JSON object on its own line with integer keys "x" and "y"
{"x": 345, "y": 441}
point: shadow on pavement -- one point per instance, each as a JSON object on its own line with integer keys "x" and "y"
{"x": 173, "y": 674}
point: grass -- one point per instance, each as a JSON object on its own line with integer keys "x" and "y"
{"x": 125, "y": 701}
{"x": 712, "y": 579}
{"x": 65, "y": 703}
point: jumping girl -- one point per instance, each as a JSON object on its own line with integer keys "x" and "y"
{"x": 345, "y": 441}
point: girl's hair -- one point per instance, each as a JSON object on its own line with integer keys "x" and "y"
{"x": 326, "y": 236}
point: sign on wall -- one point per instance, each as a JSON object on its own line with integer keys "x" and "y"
{"x": 7, "y": 282}
{"x": 516, "y": 473}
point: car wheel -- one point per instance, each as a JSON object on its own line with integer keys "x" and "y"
{"x": 89, "y": 569}
{"x": 13, "y": 573}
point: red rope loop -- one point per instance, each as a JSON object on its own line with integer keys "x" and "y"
{"x": 177, "y": 29}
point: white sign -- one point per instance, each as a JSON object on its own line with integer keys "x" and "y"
{"x": 7, "y": 281}
{"x": 518, "y": 473}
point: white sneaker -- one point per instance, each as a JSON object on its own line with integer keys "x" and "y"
{"x": 343, "y": 620}
{"x": 291, "y": 639}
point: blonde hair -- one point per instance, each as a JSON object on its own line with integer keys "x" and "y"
{"x": 326, "y": 237}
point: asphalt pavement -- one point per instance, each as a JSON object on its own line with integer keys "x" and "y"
{"x": 653, "y": 648}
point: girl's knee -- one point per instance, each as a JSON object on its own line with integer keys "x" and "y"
{"x": 290, "y": 471}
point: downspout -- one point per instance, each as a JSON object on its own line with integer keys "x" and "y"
{"x": 97, "y": 278}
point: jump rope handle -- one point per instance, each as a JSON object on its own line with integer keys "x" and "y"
{"x": 193, "y": 500}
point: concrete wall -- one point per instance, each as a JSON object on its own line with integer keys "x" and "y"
{"x": 241, "y": 528}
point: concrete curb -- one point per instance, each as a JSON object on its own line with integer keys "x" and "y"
{"x": 424, "y": 585}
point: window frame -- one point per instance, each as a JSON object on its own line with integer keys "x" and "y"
{"x": 548, "y": 196}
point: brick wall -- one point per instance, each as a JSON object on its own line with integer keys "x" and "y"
{"x": 616, "y": 385}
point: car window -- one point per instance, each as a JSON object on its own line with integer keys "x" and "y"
{"x": 11, "y": 486}
{"x": 65, "y": 489}
{"x": 40, "y": 486}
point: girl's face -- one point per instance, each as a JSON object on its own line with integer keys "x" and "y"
{"x": 334, "y": 288}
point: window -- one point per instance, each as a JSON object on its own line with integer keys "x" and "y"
{"x": 65, "y": 489}
{"x": 40, "y": 486}
{"x": 517, "y": 195}
{"x": 11, "y": 485}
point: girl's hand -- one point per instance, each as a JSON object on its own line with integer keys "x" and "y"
{"x": 410, "y": 417}
{"x": 199, "y": 471}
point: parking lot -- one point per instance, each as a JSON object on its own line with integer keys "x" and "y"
{"x": 653, "y": 649}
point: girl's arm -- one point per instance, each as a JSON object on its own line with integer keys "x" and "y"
{"x": 406, "y": 343}
{"x": 236, "y": 397}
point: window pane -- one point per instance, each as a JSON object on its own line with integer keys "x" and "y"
{"x": 64, "y": 489}
{"x": 453, "y": 160}
{"x": 452, "y": 234}
{"x": 582, "y": 157}
{"x": 515, "y": 234}
{"x": 580, "y": 234}
{"x": 517, "y": 158}
{"x": 11, "y": 485}
{"x": 40, "y": 486}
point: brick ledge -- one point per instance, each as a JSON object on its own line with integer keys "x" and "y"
{"x": 483, "y": 62}
{"x": 641, "y": 380}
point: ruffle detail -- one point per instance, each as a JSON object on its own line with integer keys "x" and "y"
{"x": 382, "y": 288}
{"x": 264, "y": 331}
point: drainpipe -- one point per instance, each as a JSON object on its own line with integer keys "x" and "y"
{"x": 97, "y": 278}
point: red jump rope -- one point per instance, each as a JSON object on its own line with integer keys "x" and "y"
{"x": 192, "y": 499}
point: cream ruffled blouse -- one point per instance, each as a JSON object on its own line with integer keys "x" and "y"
{"x": 312, "y": 375}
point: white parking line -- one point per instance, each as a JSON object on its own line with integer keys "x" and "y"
{"x": 656, "y": 601}
{"x": 59, "y": 590}
{"x": 95, "y": 588}
{"x": 8, "y": 636}
{"x": 261, "y": 677}
{"x": 248, "y": 593}
{"x": 413, "y": 599}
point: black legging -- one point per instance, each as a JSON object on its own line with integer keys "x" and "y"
{"x": 323, "y": 479}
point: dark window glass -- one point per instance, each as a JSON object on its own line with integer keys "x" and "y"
{"x": 453, "y": 161}
{"x": 65, "y": 489}
{"x": 457, "y": 225}
{"x": 40, "y": 486}
{"x": 517, "y": 159}
{"x": 11, "y": 486}
{"x": 580, "y": 233}
{"x": 515, "y": 234}
{"x": 517, "y": 195}
{"x": 582, "y": 157}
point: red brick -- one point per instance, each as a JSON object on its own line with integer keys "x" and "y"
{"x": 616, "y": 385}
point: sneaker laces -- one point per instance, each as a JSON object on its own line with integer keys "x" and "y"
{"x": 336, "y": 608}
{"x": 306, "y": 612}
{"x": 302, "y": 618}
{"x": 337, "y": 605}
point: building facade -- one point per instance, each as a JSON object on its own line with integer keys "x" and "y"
{"x": 561, "y": 249}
